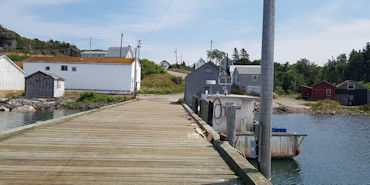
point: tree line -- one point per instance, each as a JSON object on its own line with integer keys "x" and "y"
{"x": 288, "y": 78}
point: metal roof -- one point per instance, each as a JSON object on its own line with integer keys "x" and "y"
{"x": 52, "y": 75}
{"x": 114, "y": 52}
{"x": 249, "y": 70}
{"x": 81, "y": 60}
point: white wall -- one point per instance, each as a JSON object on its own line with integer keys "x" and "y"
{"x": 11, "y": 76}
{"x": 88, "y": 76}
{"x": 59, "y": 88}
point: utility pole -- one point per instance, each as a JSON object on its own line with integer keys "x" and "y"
{"x": 139, "y": 46}
{"x": 135, "y": 74}
{"x": 120, "y": 48}
{"x": 176, "y": 55}
{"x": 90, "y": 46}
{"x": 267, "y": 78}
{"x": 210, "y": 56}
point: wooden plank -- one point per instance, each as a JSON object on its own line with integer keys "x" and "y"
{"x": 135, "y": 143}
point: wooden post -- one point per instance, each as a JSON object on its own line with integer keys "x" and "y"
{"x": 205, "y": 110}
{"x": 230, "y": 124}
{"x": 267, "y": 79}
{"x": 194, "y": 105}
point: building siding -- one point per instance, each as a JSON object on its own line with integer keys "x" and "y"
{"x": 39, "y": 86}
{"x": 359, "y": 94}
{"x": 99, "y": 77}
{"x": 195, "y": 82}
{"x": 11, "y": 76}
{"x": 319, "y": 91}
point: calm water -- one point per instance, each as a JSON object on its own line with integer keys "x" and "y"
{"x": 336, "y": 150}
{"x": 9, "y": 120}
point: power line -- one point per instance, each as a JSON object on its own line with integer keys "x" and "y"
{"x": 155, "y": 26}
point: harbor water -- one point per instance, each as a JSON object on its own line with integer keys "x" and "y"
{"x": 9, "y": 120}
{"x": 336, "y": 150}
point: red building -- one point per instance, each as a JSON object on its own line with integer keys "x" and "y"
{"x": 306, "y": 92}
{"x": 323, "y": 90}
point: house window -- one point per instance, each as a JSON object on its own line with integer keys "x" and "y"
{"x": 208, "y": 70}
{"x": 328, "y": 92}
{"x": 351, "y": 86}
{"x": 74, "y": 69}
{"x": 64, "y": 68}
{"x": 254, "y": 77}
{"x": 47, "y": 68}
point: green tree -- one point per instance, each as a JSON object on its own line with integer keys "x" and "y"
{"x": 309, "y": 70}
{"x": 236, "y": 54}
{"x": 244, "y": 54}
{"x": 335, "y": 70}
{"x": 216, "y": 54}
{"x": 149, "y": 67}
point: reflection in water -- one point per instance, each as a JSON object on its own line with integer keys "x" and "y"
{"x": 283, "y": 170}
{"x": 9, "y": 120}
{"x": 336, "y": 150}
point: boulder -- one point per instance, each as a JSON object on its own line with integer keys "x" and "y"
{"x": 25, "y": 108}
{"x": 4, "y": 109}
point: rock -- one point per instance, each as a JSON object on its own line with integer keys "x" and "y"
{"x": 4, "y": 109}
{"x": 25, "y": 108}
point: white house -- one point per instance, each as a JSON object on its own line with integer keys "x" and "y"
{"x": 199, "y": 63}
{"x": 114, "y": 52}
{"x": 11, "y": 76}
{"x": 94, "y": 54}
{"x": 164, "y": 64}
{"x": 101, "y": 75}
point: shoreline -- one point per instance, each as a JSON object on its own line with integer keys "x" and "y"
{"x": 23, "y": 104}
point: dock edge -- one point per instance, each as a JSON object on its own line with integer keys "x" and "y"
{"x": 240, "y": 165}
{"x": 19, "y": 130}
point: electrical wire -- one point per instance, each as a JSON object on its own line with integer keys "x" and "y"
{"x": 155, "y": 26}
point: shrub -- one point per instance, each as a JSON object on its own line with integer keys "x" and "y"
{"x": 177, "y": 79}
{"x": 93, "y": 97}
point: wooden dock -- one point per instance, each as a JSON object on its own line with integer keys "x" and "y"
{"x": 143, "y": 142}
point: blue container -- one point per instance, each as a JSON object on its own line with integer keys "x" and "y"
{"x": 277, "y": 129}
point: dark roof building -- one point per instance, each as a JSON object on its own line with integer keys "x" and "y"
{"x": 42, "y": 84}
{"x": 351, "y": 93}
{"x": 195, "y": 82}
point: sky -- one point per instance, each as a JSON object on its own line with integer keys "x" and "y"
{"x": 313, "y": 29}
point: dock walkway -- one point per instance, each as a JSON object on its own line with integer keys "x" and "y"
{"x": 143, "y": 142}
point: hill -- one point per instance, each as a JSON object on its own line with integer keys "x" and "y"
{"x": 11, "y": 42}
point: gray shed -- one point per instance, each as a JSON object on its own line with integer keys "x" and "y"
{"x": 44, "y": 84}
{"x": 195, "y": 82}
{"x": 119, "y": 52}
{"x": 248, "y": 78}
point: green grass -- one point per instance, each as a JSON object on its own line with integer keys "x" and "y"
{"x": 91, "y": 97}
{"x": 365, "y": 108}
{"x": 162, "y": 84}
{"x": 11, "y": 95}
{"x": 324, "y": 104}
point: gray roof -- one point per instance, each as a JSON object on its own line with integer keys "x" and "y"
{"x": 249, "y": 70}
{"x": 52, "y": 75}
{"x": 114, "y": 52}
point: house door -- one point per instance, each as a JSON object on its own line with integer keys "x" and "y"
{"x": 351, "y": 99}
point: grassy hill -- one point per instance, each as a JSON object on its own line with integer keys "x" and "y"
{"x": 11, "y": 42}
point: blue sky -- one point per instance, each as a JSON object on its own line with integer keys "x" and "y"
{"x": 312, "y": 29}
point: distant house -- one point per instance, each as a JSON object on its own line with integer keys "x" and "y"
{"x": 44, "y": 84}
{"x": 351, "y": 93}
{"x": 11, "y": 75}
{"x": 199, "y": 63}
{"x": 248, "y": 78}
{"x": 93, "y": 54}
{"x": 119, "y": 52}
{"x": 101, "y": 75}
{"x": 306, "y": 92}
{"x": 164, "y": 64}
{"x": 195, "y": 82}
{"x": 225, "y": 64}
{"x": 323, "y": 90}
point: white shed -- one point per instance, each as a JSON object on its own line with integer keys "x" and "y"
{"x": 11, "y": 76}
{"x": 101, "y": 75}
{"x": 199, "y": 63}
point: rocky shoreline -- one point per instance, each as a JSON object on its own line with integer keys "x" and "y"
{"x": 22, "y": 104}
{"x": 279, "y": 109}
